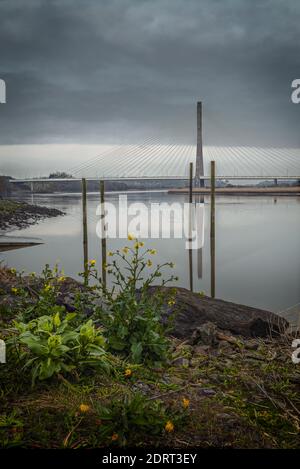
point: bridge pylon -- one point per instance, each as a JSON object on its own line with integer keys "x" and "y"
{"x": 199, "y": 151}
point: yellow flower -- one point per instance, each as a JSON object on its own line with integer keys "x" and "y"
{"x": 141, "y": 244}
{"x": 48, "y": 287}
{"x": 130, "y": 237}
{"x": 14, "y": 290}
{"x": 185, "y": 403}
{"x": 61, "y": 279}
{"x": 92, "y": 262}
{"x": 114, "y": 437}
{"x": 125, "y": 250}
{"x": 171, "y": 302}
{"x": 110, "y": 253}
{"x": 84, "y": 408}
{"x": 149, "y": 263}
{"x": 136, "y": 246}
{"x": 33, "y": 274}
{"x": 13, "y": 271}
{"x": 153, "y": 251}
{"x": 128, "y": 373}
{"x": 169, "y": 427}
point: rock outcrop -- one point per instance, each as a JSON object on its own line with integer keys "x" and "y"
{"x": 192, "y": 311}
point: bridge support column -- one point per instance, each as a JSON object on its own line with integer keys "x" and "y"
{"x": 4, "y": 186}
{"x": 276, "y": 182}
{"x": 199, "y": 153}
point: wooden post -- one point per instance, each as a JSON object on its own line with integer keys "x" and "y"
{"x": 103, "y": 234}
{"x": 191, "y": 184}
{"x": 190, "y": 226}
{"x": 85, "y": 233}
{"x": 212, "y": 229}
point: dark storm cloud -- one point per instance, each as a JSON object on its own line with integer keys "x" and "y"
{"x": 107, "y": 71}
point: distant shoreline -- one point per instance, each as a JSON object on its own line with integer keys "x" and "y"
{"x": 245, "y": 191}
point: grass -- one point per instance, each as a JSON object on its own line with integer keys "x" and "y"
{"x": 240, "y": 395}
{"x": 242, "y": 404}
{"x": 9, "y": 207}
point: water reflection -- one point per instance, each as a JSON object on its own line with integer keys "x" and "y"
{"x": 257, "y": 246}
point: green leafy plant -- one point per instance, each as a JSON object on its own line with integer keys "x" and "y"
{"x": 132, "y": 317}
{"x": 38, "y": 295}
{"x": 11, "y": 430}
{"x": 124, "y": 419}
{"x": 50, "y": 345}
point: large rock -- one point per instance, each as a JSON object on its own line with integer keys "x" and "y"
{"x": 192, "y": 310}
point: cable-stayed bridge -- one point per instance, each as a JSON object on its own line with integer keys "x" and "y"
{"x": 154, "y": 161}
{"x": 172, "y": 161}
{"x": 150, "y": 159}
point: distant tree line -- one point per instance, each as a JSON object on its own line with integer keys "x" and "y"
{"x": 60, "y": 175}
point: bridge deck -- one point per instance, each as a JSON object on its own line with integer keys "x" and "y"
{"x": 162, "y": 178}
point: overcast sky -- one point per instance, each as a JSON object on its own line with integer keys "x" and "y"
{"x": 110, "y": 71}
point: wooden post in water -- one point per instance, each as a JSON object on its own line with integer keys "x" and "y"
{"x": 85, "y": 232}
{"x": 190, "y": 226}
{"x": 103, "y": 234}
{"x": 191, "y": 184}
{"x": 212, "y": 229}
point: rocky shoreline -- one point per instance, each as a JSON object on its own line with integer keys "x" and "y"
{"x": 18, "y": 215}
{"x": 195, "y": 318}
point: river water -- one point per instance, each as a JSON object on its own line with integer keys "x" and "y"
{"x": 257, "y": 245}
